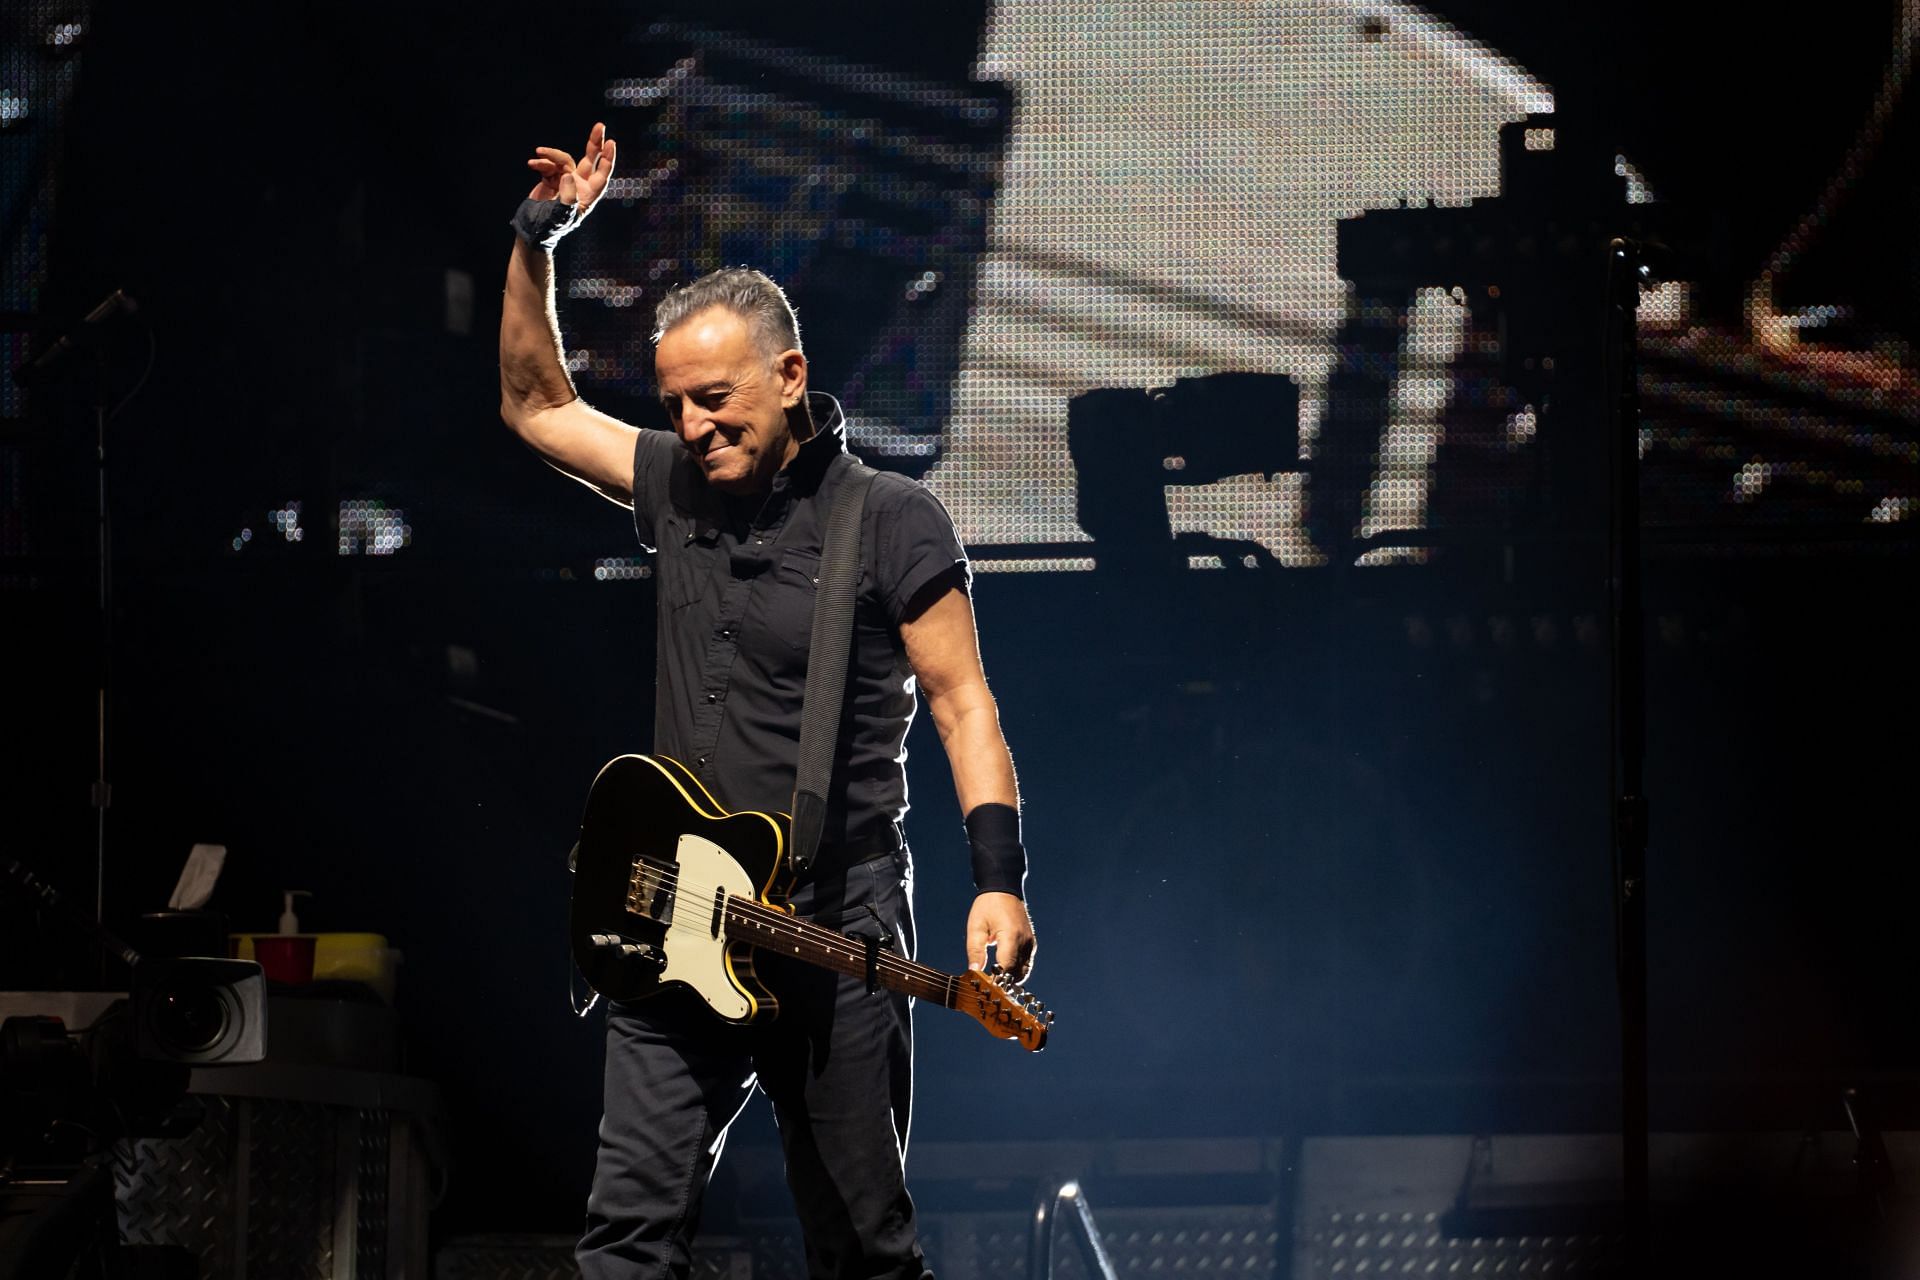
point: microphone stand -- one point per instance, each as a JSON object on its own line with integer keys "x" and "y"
{"x": 102, "y": 793}
{"x": 1627, "y": 265}
{"x": 89, "y": 337}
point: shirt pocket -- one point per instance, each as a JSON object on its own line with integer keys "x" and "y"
{"x": 792, "y": 587}
{"x": 687, "y": 574}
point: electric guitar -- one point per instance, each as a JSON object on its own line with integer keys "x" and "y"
{"x": 671, "y": 889}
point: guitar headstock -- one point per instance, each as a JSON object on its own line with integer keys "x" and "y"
{"x": 1004, "y": 1007}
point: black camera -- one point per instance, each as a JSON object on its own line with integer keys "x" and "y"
{"x": 200, "y": 1010}
{"x": 1128, "y": 445}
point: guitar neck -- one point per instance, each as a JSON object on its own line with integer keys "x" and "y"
{"x": 771, "y": 929}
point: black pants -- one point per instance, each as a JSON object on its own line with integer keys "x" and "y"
{"x": 837, "y": 1064}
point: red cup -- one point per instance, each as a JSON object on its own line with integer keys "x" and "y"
{"x": 285, "y": 958}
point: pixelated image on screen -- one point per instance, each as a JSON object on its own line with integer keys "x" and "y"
{"x": 38, "y": 70}
{"x": 1099, "y": 208}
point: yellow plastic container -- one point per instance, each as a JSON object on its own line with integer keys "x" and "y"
{"x": 340, "y": 957}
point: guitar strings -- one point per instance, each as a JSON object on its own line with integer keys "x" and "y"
{"x": 790, "y": 929}
{"x": 914, "y": 978}
{"x": 786, "y": 928}
{"x": 947, "y": 986}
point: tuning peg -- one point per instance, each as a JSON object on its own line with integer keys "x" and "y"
{"x": 1049, "y": 1017}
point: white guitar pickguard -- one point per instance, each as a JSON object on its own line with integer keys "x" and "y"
{"x": 694, "y": 955}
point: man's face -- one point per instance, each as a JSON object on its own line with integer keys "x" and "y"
{"x": 728, "y": 399}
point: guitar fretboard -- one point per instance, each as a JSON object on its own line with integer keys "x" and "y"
{"x": 770, "y": 929}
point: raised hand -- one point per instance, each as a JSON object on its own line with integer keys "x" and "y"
{"x": 574, "y": 182}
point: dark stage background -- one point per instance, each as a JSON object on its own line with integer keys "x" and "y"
{"x": 1316, "y": 795}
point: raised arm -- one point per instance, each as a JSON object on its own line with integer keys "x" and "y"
{"x": 537, "y": 398}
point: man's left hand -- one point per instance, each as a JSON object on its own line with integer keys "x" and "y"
{"x": 1002, "y": 919}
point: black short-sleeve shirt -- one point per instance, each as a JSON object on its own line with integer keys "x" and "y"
{"x": 736, "y": 581}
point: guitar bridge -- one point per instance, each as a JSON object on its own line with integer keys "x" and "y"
{"x": 650, "y": 892}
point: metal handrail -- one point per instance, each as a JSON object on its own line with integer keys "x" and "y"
{"x": 1046, "y": 1213}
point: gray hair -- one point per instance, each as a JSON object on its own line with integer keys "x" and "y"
{"x": 749, "y": 294}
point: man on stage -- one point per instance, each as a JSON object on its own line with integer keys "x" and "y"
{"x": 734, "y": 499}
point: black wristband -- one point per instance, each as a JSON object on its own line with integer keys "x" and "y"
{"x": 999, "y": 859}
{"x": 543, "y": 222}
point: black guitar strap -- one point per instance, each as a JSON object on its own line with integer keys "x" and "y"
{"x": 820, "y": 714}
